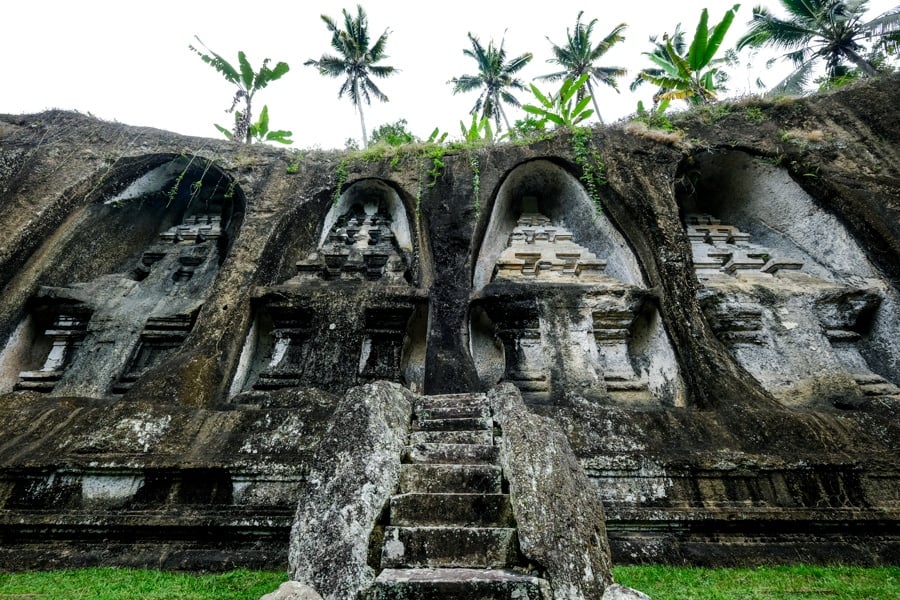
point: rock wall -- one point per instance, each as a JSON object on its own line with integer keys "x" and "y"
{"x": 180, "y": 317}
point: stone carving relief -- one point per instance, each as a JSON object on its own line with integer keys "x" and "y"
{"x": 551, "y": 314}
{"x": 356, "y": 289}
{"x": 360, "y": 246}
{"x": 97, "y": 336}
{"x": 802, "y": 310}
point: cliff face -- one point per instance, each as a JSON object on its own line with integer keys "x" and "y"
{"x": 719, "y": 341}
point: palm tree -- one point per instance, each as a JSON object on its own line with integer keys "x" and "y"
{"x": 659, "y": 50}
{"x": 819, "y": 29}
{"x": 355, "y": 60}
{"x": 578, "y": 57}
{"x": 494, "y": 77}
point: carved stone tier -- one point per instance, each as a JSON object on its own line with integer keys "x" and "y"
{"x": 518, "y": 328}
{"x": 291, "y": 332}
{"x": 65, "y": 336}
{"x": 736, "y": 322}
{"x": 159, "y": 339}
{"x": 360, "y": 246}
{"x": 720, "y": 248}
{"x": 382, "y": 347}
{"x": 194, "y": 229}
{"x": 612, "y": 333}
{"x": 539, "y": 249}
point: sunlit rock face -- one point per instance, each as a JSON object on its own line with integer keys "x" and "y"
{"x": 715, "y": 331}
{"x": 561, "y": 306}
{"x": 95, "y": 336}
{"x": 785, "y": 287}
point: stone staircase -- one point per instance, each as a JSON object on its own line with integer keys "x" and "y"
{"x": 872, "y": 385}
{"x": 451, "y": 532}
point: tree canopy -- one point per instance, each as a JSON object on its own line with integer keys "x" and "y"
{"x": 579, "y": 56}
{"x": 690, "y": 76}
{"x": 355, "y": 60}
{"x": 495, "y": 78}
{"x": 248, "y": 83}
{"x": 816, "y": 30}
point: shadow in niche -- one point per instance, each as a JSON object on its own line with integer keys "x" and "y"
{"x": 351, "y": 312}
{"x": 561, "y": 307}
{"x": 124, "y": 289}
{"x": 787, "y": 288}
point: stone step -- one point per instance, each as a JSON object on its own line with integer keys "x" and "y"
{"x": 421, "y": 547}
{"x": 465, "y": 510}
{"x": 879, "y": 389}
{"x": 634, "y": 397}
{"x": 867, "y": 378}
{"x": 460, "y": 454}
{"x": 464, "y": 424}
{"x": 630, "y": 385}
{"x": 453, "y": 400}
{"x": 453, "y": 412}
{"x": 482, "y": 436}
{"x": 457, "y": 584}
{"x": 450, "y": 479}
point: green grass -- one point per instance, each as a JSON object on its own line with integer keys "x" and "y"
{"x": 137, "y": 584}
{"x": 661, "y": 583}
{"x": 763, "y": 583}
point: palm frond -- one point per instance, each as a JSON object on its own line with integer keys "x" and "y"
{"x": 884, "y": 24}
{"x": 795, "y": 82}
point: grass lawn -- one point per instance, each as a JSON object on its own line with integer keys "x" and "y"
{"x": 137, "y": 584}
{"x": 763, "y": 583}
{"x": 661, "y": 583}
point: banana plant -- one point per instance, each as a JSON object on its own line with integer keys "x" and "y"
{"x": 683, "y": 76}
{"x": 479, "y": 129}
{"x": 248, "y": 83}
{"x": 557, "y": 108}
{"x": 259, "y": 131}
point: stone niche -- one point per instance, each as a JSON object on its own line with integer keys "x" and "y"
{"x": 352, "y": 313}
{"x": 786, "y": 288}
{"x": 560, "y": 306}
{"x": 122, "y": 291}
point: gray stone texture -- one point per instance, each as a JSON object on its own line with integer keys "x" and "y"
{"x": 355, "y": 471}
{"x": 620, "y": 592}
{"x": 292, "y": 590}
{"x": 705, "y": 446}
{"x": 559, "y": 516}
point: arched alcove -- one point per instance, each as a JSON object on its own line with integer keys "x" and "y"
{"x": 558, "y": 195}
{"x": 365, "y": 234}
{"x": 122, "y": 286}
{"x": 560, "y": 305}
{"x": 787, "y": 287}
{"x": 350, "y": 311}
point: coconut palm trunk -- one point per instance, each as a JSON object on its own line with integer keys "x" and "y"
{"x": 356, "y": 61}
{"x": 362, "y": 119}
{"x": 594, "y": 100}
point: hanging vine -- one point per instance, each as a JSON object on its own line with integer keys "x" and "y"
{"x": 591, "y": 163}
{"x": 476, "y": 180}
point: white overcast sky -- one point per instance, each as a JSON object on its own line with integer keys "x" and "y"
{"x": 129, "y": 61}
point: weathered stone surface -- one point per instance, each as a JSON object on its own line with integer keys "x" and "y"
{"x": 569, "y": 541}
{"x": 456, "y": 584}
{"x": 292, "y": 590}
{"x": 699, "y": 455}
{"x": 620, "y": 592}
{"x": 440, "y": 479}
{"x": 466, "y": 510}
{"x": 354, "y": 473}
